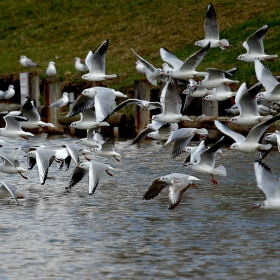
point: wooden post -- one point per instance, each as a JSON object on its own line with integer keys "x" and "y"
{"x": 142, "y": 116}
{"x": 34, "y": 88}
{"x": 211, "y": 109}
{"x": 53, "y": 93}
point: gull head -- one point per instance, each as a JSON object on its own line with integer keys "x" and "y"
{"x": 198, "y": 43}
{"x": 85, "y": 76}
{"x": 260, "y": 95}
{"x": 234, "y": 146}
{"x": 241, "y": 57}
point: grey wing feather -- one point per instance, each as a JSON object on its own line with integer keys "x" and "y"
{"x": 82, "y": 102}
{"x": 154, "y": 189}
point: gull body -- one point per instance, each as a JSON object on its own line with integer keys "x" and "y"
{"x": 51, "y": 70}
{"x": 80, "y": 67}
{"x": 27, "y": 62}
{"x": 255, "y": 48}
{"x": 211, "y": 29}
{"x": 95, "y": 61}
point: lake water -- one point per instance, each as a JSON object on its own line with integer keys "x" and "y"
{"x": 215, "y": 233}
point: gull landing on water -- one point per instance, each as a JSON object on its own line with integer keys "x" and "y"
{"x": 211, "y": 29}
{"x": 95, "y": 61}
{"x": 178, "y": 184}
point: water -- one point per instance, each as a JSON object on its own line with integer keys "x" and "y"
{"x": 213, "y": 234}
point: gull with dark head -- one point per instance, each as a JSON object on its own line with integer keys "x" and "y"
{"x": 178, "y": 184}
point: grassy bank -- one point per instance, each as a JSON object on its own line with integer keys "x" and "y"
{"x": 61, "y": 30}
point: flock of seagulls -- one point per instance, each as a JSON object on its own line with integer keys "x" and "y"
{"x": 96, "y": 104}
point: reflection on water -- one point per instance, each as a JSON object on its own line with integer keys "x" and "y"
{"x": 213, "y": 234}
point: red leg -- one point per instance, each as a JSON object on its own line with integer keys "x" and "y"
{"x": 24, "y": 177}
{"x": 213, "y": 179}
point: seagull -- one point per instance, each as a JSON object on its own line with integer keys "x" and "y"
{"x": 152, "y": 73}
{"x": 89, "y": 141}
{"x": 8, "y": 94}
{"x": 80, "y": 67}
{"x": 8, "y": 190}
{"x": 232, "y": 110}
{"x": 149, "y": 105}
{"x": 88, "y": 120}
{"x": 182, "y": 137}
{"x": 29, "y": 110}
{"x": 204, "y": 160}
{"x": 62, "y": 102}
{"x": 193, "y": 91}
{"x": 163, "y": 132}
{"x": 171, "y": 104}
{"x": 211, "y": 29}
{"x": 250, "y": 143}
{"x": 269, "y": 185}
{"x": 220, "y": 93}
{"x": 94, "y": 169}
{"x": 95, "y": 61}
{"x": 103, "y": 99}
{"x": 186, "y": 69}
{"x": 107, "y": 148}
{"x": 178, "y": 184}
{"x": 13, "y": 126}
{"x": 27, "y": 62}
{"x": 247, "y": 105}
{"x": 255, "y": 48}
{"x": 215, "y": 78}
{"x": 270, "y": 83}
{"x": 44, "y": 159}
{"x": 51, "y": 70}
{"x": 11, "y": 166}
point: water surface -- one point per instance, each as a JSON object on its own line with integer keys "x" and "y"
{"x": 213, "y": 234}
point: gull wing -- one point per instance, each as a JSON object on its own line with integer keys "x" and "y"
{"x": 192, "y": 61}
{"x": 229, "y": 132}
{"x": 257, "y": 131}
{"x": 95, "y": 61}
{"x": 265, "y": 76}
{"x": 81, "y": 103}
{"x": 254, "y": 43}
{"x": 170, "y": 97}
{"x": 9, "y": 188}
{"x": 265, "y": 180}
{"x": 76, "y": 176}
{"x": 95, "y": 169}
{"x": 211, "y": 27}
{"x": 29, "y": 110}
{"x": 176, "y": 191}
{"x": 246, "y": 101}
{"x": 142, "y": 135}
{"x": 170, "y": 58}
{"x": 155, "y": 188}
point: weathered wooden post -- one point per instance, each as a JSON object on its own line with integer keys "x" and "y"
{"x": 142, "y": 116}
{"x": 34, "y": 88}
{"x": 53, "y": 93}
{"x": 211, "y": 109}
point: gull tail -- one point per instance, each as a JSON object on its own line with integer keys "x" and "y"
{"x": 110, "y": 77}
{"x": 220, "y": 170}
{"x": 22, "y": 193}
{"x": 224, "y": 44}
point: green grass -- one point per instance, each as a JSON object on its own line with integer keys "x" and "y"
{"x": 61, "y": 30}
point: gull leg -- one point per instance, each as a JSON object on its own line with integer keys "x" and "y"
{"x": 109, "y": 173}
{"x": 213, "y": 179}
{"x": 24, "y": 177}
